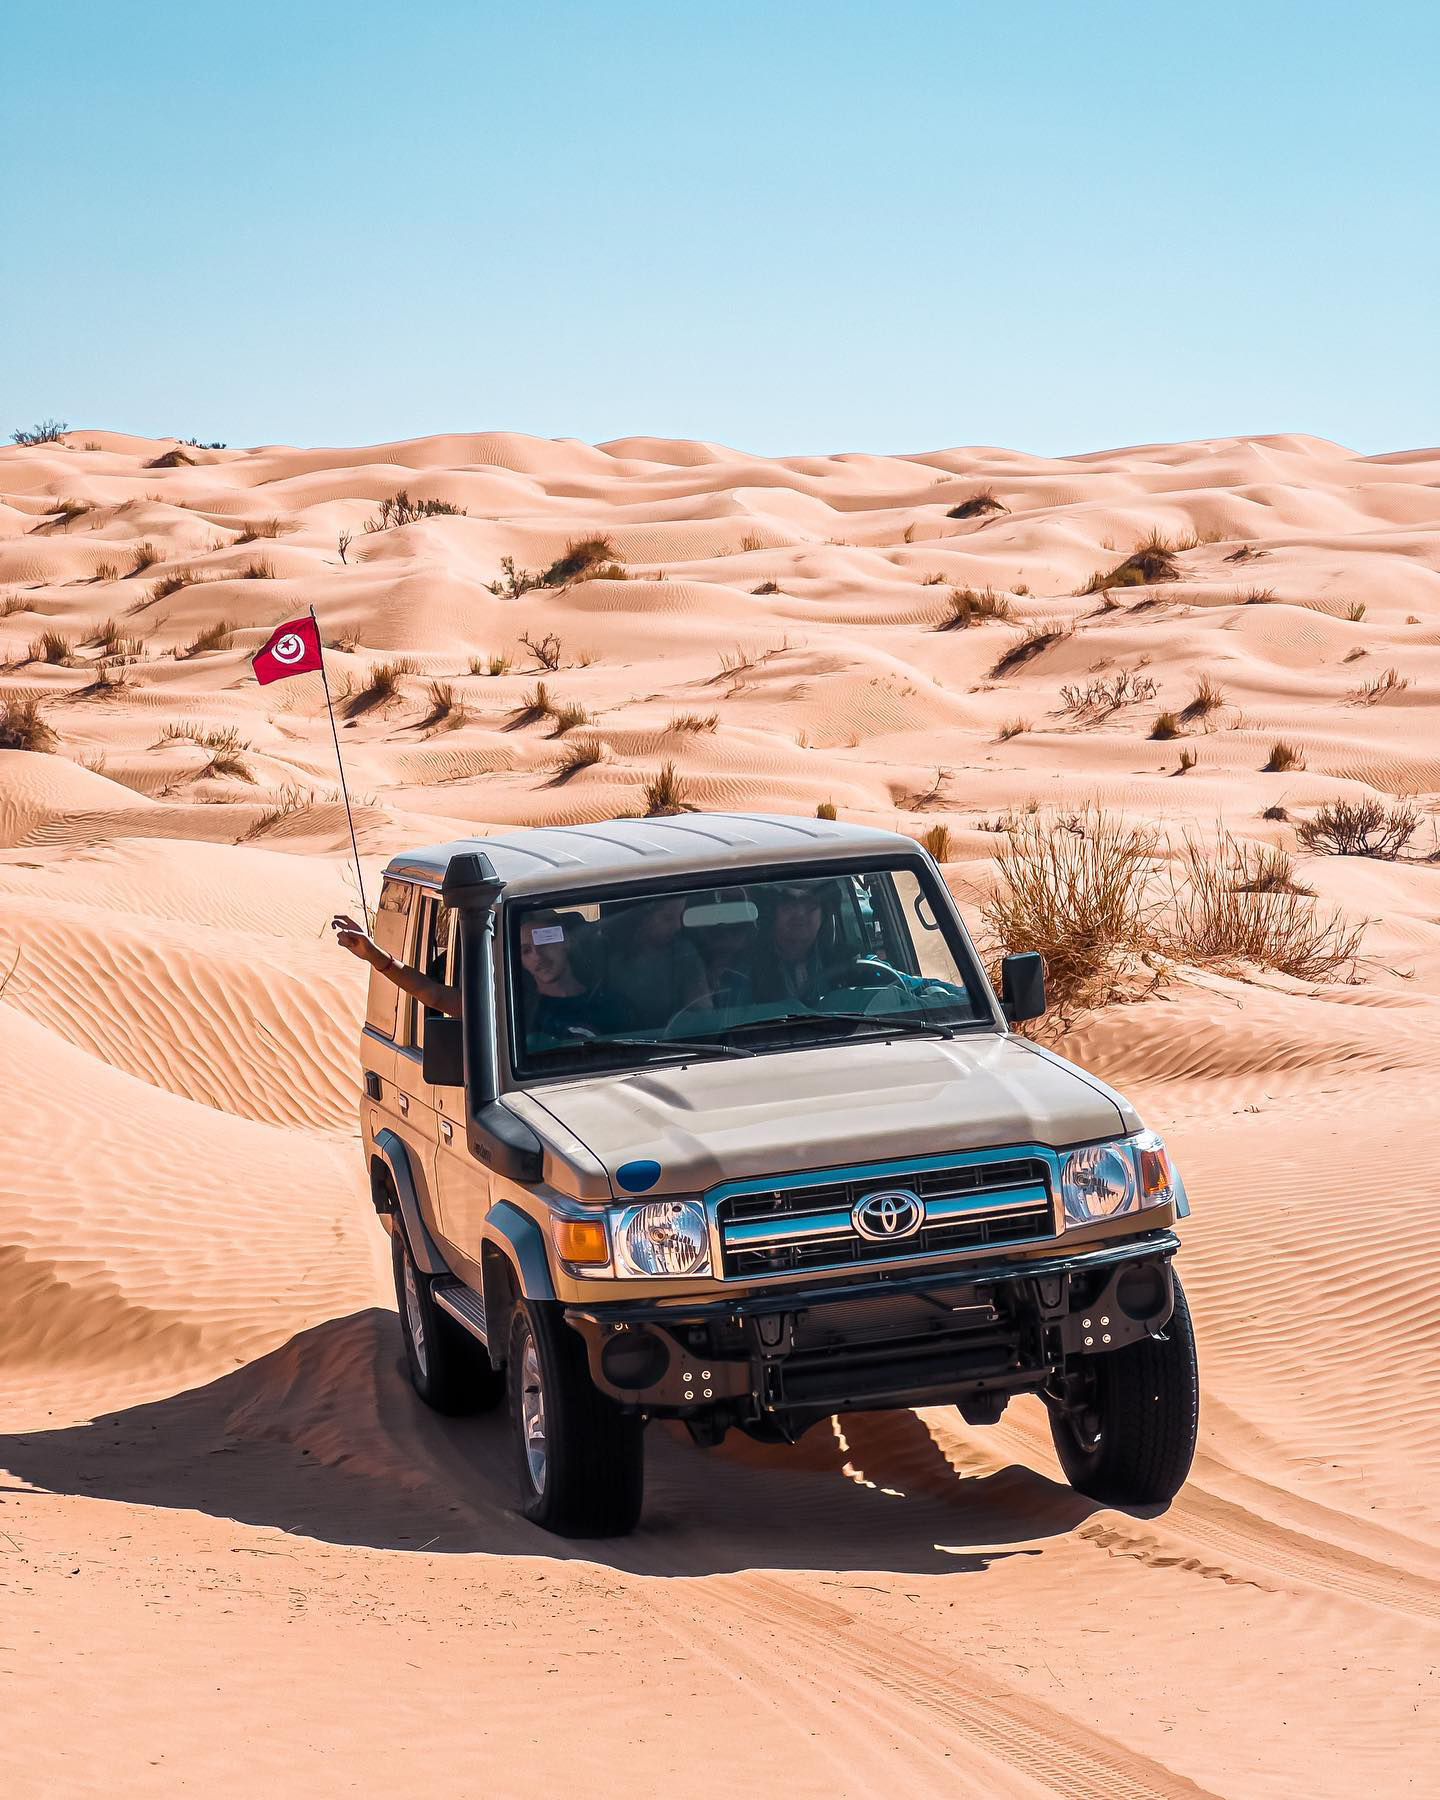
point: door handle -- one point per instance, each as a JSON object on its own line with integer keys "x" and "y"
{"x": 447, "y": 1130}
{"x": 404, "y": 1103}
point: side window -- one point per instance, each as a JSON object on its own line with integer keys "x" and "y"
{"x": 392, "y": 923}
{"x": 929, "y": 953}
{"x": 432, "y": 957}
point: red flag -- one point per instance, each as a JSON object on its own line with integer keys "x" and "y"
{"x": 292, "y": 649}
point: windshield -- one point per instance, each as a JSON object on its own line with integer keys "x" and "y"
{"x": 735, "y": 970}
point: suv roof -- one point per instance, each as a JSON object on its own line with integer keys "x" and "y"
{"x": 558, "y": 857}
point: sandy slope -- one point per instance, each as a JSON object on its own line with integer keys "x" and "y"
{"x": 236, "y": 1554}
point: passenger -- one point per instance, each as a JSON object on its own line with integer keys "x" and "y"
{"x": 652, "y": 970}
{"x": 788, "y": 964}
{"x": 439, "y": 996}
{"x": 726, "y": 948}
{"x": 556, "y": 1002}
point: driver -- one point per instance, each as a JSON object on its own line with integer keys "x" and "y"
{"x": 653, "y": 969}
{"x": 788, "y": 964}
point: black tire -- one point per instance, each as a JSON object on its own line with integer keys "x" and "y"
{"x": 588, "y": 1477}
{"x": 1136, "y": 1445}
{"x": 450, "y": 1370}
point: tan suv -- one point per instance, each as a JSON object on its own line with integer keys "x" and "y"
{"x": 734, "y": 1130}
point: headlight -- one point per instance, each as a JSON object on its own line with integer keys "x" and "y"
{"x": 1098, "y": 1183}
{"x": 1104, "y": 1181}
{"x": 663, "y": 1237}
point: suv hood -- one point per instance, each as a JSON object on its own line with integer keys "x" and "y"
{"x": 816, "y": 1108}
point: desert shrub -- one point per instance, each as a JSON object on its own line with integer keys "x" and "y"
{"x": 64, "y": 513}
{"x": 142, "y": 557}
{"x": 1283, "y": 757}
{"x": 214, "y": 637}
{"x": 21, "y": 727}
{"x": 227, "y": 763}
{"x": 928, "y": 796}
{"x": 681, "y": 723}
{"x": 50, "y": 647}
{"x": 1152, "y": 560}
{"x": 1265, "y": 869}
{"x": 289, "y": 802}
{"x": 194, "y": 443}
{"x": 1078, "y": 891}
{"x": 1277, "y": 813}
{"x": 10, "y": 605}
{"x": 1036, "y": 640}
{"x": 825, "y": 810}
{"x": 400, "y": 509}
{"x": 343, "y": 543}
{"x": 445, "y": 709}
{"x": 582, "y": 753}
{"x": 1391, "y": 682}
{"x": 939, "y": 842}
{"x": 766, "y": 587}
{"x": 981, "y": 502}
{"x": 535, "y": 705}
{"x": 107, "y": 571}
{"x": 566, "y": 716}
{"x": 586, "y": 559}
{"x": 1245, "y": 553}
{"x": 967, "y": 608}
{"x": 1012, "y": 729}
{"x": 934, "y": 579}
{"x": 259, "y": 568}
{"x": 1188, "y": 760}
{"x": 171, "y": 459}
{"x": 266, "y": 528}
{"x": 1355, "y": 654}
{"x": 1207, "y": 699}
{"x": 514, "y": 582}
{"x": 48, "y": 431}
{"x": 547, "y": 651}
{"x": 1360, "y": 828}
{"x": 381, "y": 685}
{"x": 1231, "y": 904}
{"x": 665, "y": 793}
{"x": 1355, "y": 611}
{"x": 223, "y": 739}
{"x": 1107, "y": 694}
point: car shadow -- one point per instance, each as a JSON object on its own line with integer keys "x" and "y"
{"x": 325, "y": 1437}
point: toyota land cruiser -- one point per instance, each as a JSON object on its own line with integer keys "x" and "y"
{"x": 732, "y": 1129}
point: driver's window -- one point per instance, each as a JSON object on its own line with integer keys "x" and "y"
{"x": 925, "y": 942}
{"x": 432, "y": 957}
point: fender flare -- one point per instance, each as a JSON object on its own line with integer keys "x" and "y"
{"x": 517, "y": 1238}
{"x": 392, "y": 1152}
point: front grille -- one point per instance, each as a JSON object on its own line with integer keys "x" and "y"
{"x": 969, "y": 1205}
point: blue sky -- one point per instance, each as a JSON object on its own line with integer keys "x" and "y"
{"x": 788, "y": 227}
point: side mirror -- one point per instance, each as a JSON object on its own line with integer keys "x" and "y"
{"x": 1022, "y": 986}
{"x": 442, "y": 1060}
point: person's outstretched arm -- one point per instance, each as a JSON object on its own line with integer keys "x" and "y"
{"x": 429, "y": 992}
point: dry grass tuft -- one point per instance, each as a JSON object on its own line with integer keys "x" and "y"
{"x": 261, "y": 569}
{"x": 264, "y": 528}
{"x": 223, "y": 739}
{"x": 1391, "y": 682}
{"x": 214, "y": 637}
{"x": 1207, "y": 700}
{"x": 172, "y": 459}
{"x": 289, "y": 802}
{"x": 1245, "y": 553}
{"x": 12, "y": 604}
{"x": 766, "y": 587}
{"x": 51, "y": 647}
{"x": 968, "y": 608}
{"x": 513, "y": 582}
{"x": 681, "y": 723}
{"x": 582, "y": 753}
{"x": 1035, "y": 641}
{"x": 1188, "y": 760}
{"x": 227, "y": 764}
{"x": 1012, "y": 729}
{"x": 825, "y": 810}
{"x": 107, "y": 571}
{"x": 1108, "y": 694}
{"x": 1355, "y": 611}
{"x": 445, "y": 709}
{"x": 1277, "y": 813}
{"x": 1360, "y": 828}
{"x": 21, "y": 727}
{"x": 142, "y": 557}
{"x": 981, "y": 502}
{"x": 538, "y": 704}
{"x": 566, "y": 716}
{"x": 939, "y": 842}
{"x": 173, "y": 583}
{"x": 1152, "y": 560}
{"x": 381, "y": 686}
{"x": 1231, "y": 903}
{"x": 665, "y": 794}
{"x": 1283, "y": 757}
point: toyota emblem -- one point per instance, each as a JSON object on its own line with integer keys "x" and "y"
{"x": 890, "y": 1213}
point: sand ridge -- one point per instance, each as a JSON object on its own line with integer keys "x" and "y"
{"x": 224, "y": 1510}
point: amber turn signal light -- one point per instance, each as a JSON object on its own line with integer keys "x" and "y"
{"x": 1155, "y": 1177}
{"x": 582, "y": 1240}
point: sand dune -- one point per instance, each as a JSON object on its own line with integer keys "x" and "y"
{"x": 235, "y": 1549}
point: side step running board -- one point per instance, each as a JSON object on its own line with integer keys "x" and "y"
{"x": 463, "y": 1305}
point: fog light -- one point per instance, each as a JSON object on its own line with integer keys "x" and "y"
{"x": 634, "y": 1359}
{"x": 1142, "y": 1292}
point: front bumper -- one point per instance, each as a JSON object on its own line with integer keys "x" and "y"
{"x": 793, "y": 1355}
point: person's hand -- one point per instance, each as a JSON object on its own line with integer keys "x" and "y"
{"x": 351, "y": 936}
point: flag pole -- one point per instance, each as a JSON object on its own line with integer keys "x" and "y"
{"x": 340, "y": 765}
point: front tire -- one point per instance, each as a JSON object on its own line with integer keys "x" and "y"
{"x": 1131, "y": 1440}
{"x": 579, "y": 1461}
{"x": 449, "y": 1369}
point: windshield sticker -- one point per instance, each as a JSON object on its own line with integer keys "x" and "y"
{"x": 547, "y": 934}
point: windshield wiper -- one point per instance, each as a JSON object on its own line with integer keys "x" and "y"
{"x": 879, "y": 1022}
{"x": 682, "y": 1046}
